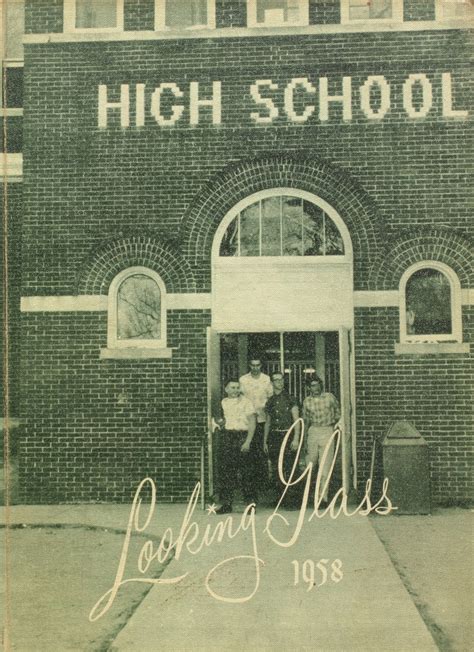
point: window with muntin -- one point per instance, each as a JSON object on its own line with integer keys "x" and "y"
{"x": 93, "y": 15}
{"x": 371, "y": 10}
{"x": 282, "y": 225}
{"x": 12, "y": 27}
{"x": 431, "y": 305}
{"x": 11, "y": 96}
{"x": 277, "y": 13}
{"x": 454, "y": 9}
{"x": 185, "y": 14}
{"x": 137, "y": 315}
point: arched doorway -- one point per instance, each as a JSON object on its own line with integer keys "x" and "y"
{"x": 282, "y": 290}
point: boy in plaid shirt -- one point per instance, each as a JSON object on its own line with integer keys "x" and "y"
{"x": 321, "y": 412}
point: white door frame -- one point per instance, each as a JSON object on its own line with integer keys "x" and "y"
{"x": 214, "y": 397}
{"x": 347, "y": 391}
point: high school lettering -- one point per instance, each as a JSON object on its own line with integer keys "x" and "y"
{"x": 300, "y": 101}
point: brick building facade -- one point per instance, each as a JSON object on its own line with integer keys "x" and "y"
{"x": 142, "y": 146}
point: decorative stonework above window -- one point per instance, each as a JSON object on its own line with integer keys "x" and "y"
{"x": 277, "y": 13}
{"x": 91, "y": 15}
{"x": 185, "y": 14}
{"x": 430, "y": 304}
{"x": 371, "y": 10}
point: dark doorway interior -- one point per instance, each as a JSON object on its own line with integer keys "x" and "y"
{"x": 299, "y": 354}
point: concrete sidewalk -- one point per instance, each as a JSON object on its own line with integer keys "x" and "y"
{"x": 368, "y": 609}
{"x": 363, "y": 607}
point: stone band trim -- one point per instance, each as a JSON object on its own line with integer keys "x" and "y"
{"x": 467, "y": 297}
{"x": 248, "y": 32}
{"x": 431, "y": 348}
{"x": 200, "y": 301}
{"x": 99, "y": 303}
{"x": 391, "y": 298}
{"x": 136, "y": 354}
{"x": 81, "y": 303}
{"x": 376, "y": 299}
{"x": 11, "y": 166}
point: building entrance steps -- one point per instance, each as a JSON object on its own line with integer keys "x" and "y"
{"x": 367, "y": 608}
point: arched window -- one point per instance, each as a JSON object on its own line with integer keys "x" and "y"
{"x": 430, "y": 304}
{"x": 137, "y": 316}
{"x": 282, "y": 225}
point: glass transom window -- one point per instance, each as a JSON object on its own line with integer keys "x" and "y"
{"x": 371, "y": 10}
{"x": 184, "y": 14}
{"x": 282, "y": 225}
{"x": 192, "y": 13}
{"x": 11, "y": 102}
{"x": 457, "y": 8}
{"x": 275, "y": 13}
{"x": 278, "y": 11}
{"x": 93, "y": 14}
{"x": 138, "y": 309}
{"x": 428, "y": 303}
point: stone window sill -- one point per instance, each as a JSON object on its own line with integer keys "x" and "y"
{"x": 430, "y": 348}
{"x": 135, "y": 354}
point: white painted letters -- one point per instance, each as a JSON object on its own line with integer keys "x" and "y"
{"x": 140, "y": 105}
{"x": 289, "y": 99}
{"x": 195, "y": 103}
{"x": 176, "y": 109}
{"x": 294, "y": 102}
{"x": 325, "y": 98}
{"x": 427, "y": 91}
{"x": 123, "y": 105}
{"x": 365, "y": 104}
{"x": 447, "y": 90}
{"x": 265, "y": 101}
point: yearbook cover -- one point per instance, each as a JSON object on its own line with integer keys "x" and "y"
{"x": 237, "y": 292}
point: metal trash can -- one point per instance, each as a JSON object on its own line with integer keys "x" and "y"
{"x": 406, "y": 465}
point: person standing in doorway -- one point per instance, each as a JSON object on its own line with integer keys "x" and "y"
{"x": 282, "y": 412}
{"x": 321, "y": 412}
{"x": 257, "y": 387}
{"x": 233, "y": 453}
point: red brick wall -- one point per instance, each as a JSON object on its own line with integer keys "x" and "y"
{"x": 47, "y": 15}
{"x": 10, "y": 274}
{"x": 407, "y": 168}
{"x": 81, "y": 442}
{"x": 401, "y": 185}
{"x": 433, "y": 392}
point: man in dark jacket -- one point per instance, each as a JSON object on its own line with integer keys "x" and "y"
{"x": 282, "y": 411}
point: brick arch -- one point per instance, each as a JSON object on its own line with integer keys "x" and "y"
{"x": 302, "y": 171}
{"x": 146, "y": 251}
{"x": 410, "y": 247}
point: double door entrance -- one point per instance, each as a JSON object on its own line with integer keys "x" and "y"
{"x": 283, "y": 292}
{"x": 299, "y": 355}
